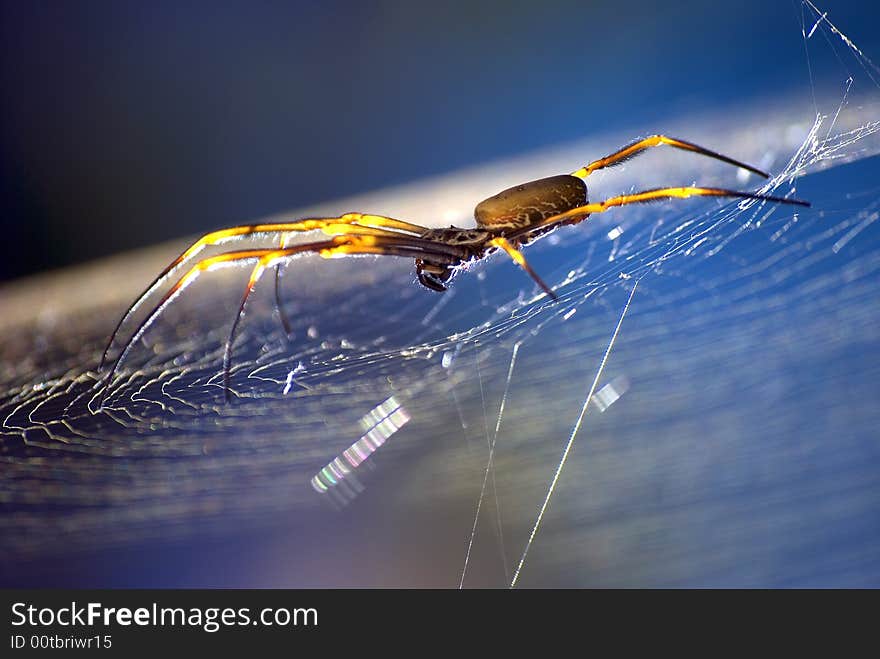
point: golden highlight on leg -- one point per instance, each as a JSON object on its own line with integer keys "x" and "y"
{"x": 649, "y": 196}
{"x": 393, "y": 245}
{"x": 256, "y": 273}
{"x": 688, "y": 191}
{"x": 188, "y": 278}
{"x": 279, "y": 305}
{"x": 350, "y": 223}
{"x": 637, "y": 148}
{"x": 520, "y": 260}
{"x": 409, "y": 247}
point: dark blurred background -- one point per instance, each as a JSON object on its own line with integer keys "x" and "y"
{"x": 128, "y": 123}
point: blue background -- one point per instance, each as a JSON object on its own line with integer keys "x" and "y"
{"x": 124, "y": 123}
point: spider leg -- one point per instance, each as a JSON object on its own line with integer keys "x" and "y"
{"x": 640, "y": 146}
{"x": 579, "y": 213}
{"x": 382, "y": 245}
{"x": 285, "y": 320}
{"x": 350, "y": 223}
{"x": 188, "y": 278}
{"x": 227, "y": 349}
{"x": 520, "y": 260}
{"x": 331, "y": 229}
{"x": 409, "y": 247}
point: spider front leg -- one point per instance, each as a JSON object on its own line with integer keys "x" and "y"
{"x": 279, "y": 304}
{"x": 350, "y": 223}
{"x": 342, "y": 245}
{"x": 408, "y": 247}
{"x": 191, "y": 275}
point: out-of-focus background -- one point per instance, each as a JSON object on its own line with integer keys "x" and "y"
{"x": 715, "y": 364}
{"x": 125, "y": 124}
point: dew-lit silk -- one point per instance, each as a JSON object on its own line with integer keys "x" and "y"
{"x": 531, "y": 202}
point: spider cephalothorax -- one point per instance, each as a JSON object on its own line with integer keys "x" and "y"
{"x": 506, "y": 221}
{"x": 434, "y": 274}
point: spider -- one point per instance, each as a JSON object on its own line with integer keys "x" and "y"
{"x": 506, "y": 221}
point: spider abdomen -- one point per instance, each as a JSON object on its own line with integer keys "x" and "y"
{"x": 526, "y": 204}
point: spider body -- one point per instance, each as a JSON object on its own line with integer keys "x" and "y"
{"x": 434, "y": 274}
{"x": 515, "y": 209}
{"x": 506, "y": 221}
{"x": 530, "y": 203}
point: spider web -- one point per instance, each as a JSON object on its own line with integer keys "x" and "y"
{"x": 697, "y": 408}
